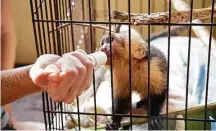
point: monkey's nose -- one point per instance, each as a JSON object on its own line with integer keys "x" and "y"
{"x": 106, "y": 50}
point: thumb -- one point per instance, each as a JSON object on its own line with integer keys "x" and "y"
{"x": 38, "y": 76}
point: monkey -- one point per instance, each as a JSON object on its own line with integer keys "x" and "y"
{"x": 139, "y": 75}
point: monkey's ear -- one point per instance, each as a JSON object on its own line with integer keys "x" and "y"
{"x": 139, "y": 51}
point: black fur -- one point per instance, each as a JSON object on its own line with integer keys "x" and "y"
{"x": 121, "y": 106}
{"x": 156, "y": 103}
{"x": 155, "y": 52}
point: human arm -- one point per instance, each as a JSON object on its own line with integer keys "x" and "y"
{"x": 8, "y": 42}
{"x": 74, "y": 75}
{"x": 15, "y": 84}
{"x": 8, "y": 37}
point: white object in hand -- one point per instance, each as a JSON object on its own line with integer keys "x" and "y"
{"x": 98, "y": 58}
{"x": 52, "y": 68}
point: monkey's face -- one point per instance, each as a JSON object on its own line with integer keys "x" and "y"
{"x": 118, "y": 45}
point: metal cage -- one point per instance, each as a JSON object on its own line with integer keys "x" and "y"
{"x": 49, "y": 15}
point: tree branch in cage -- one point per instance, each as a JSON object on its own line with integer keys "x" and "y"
{"x": 210, "y": 106}
{"x": 163, "y": 17}
{"x": 200, "y": 31}
{"x": 82, "y": 24}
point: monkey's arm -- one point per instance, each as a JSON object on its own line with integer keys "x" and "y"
{"x": 15, "y": 84}
{"x": 121, "y": 106}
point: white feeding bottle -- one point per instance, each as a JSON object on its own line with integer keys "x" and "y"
{"x": 98, "y": 58}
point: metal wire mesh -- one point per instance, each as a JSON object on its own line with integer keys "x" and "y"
{"x": 48, "y": 15}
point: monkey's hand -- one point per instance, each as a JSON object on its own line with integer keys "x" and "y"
{"x": 112, "y": 126}
{"x": 155, "y": 123}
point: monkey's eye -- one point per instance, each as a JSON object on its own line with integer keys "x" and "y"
{"x": 102, "y": 42}
{"x": 112, "y": 39}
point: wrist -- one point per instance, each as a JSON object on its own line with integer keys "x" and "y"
{"x": 28, "y": 81}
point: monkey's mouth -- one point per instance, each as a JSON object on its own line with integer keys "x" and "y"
{"x": 108, "y": 56}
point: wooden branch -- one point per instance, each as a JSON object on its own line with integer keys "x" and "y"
{"x": 210, "y": 106}
{"x": 82, "y": 24}
{"x": 200, "y": 31}
{"x": 163, "y": 17}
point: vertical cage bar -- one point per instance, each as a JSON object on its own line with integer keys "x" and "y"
{"x": 38, "y": 54}
{"x": 152, "y": 10}
{"x": 56, "y": 52}
{"x": 168, "y": 61}
{"x": 78, "y": 113}
{"x": 45, "y": 95}
{"x": 92, "y": 50}
{"x": 141, "y": 10}
{"x": 165, "y": 7}
{"x": 38, "y": 28}
{"x": 67, "y": 28}
{"x": 149, "y": 48}
{"x": 73, "y": 48}
{"x": 56, "y": 11}
{"x": 43, "y": 30}
{"x": 83, "y": 18}
{"x": 209, "y": 61}
{"x": 105, "y": 7}
{"x": 72, "y": 31}
{"x": 188, "y": 65}
{"x": 46, "y": 13}
{"x": 64, "y": 16}
{"x": 59, "y": 43}
{"x": 129, "y": 39}
{"x": 60, "y": 24}
{"x": 203, "y": 3}
{"x": 52, "y": 26}
{"x": 111, "y": 64}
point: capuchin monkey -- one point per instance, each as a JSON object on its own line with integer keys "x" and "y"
{"x": 139, "y": 75}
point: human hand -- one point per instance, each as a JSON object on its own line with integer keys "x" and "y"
{"x": 63, "y": 78}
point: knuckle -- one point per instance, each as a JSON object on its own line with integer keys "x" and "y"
{"x": 66, "y": 54}
{"x": 88, "y": 84}
{"x": 82, "y": 69}
{"x": 82, "y": 51}
{"x": 89, "y": 65}
{"x": 73, "y": 72}
{"x": 56, "y": 98}
{"x": 69, "y": 100}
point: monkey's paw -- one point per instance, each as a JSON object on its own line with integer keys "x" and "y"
{"x": 155, "y": 123}
{"x": 112, "y": 126}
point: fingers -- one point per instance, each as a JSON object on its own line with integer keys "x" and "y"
{"x": 77, "y": 86}
{"x": 66, "y": 82}
{"x": 37, "y": 72}
{"x": 85, "y": 74}
{"x": 38, "y": 76}
{"x": 46, "y": 59}
{"x": 82, "y": 56}
{"x": 64, "y": 78}
{"x": 69, "y": 73}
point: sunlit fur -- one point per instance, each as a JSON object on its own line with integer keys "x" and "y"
{"x": 139, "y": 66}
